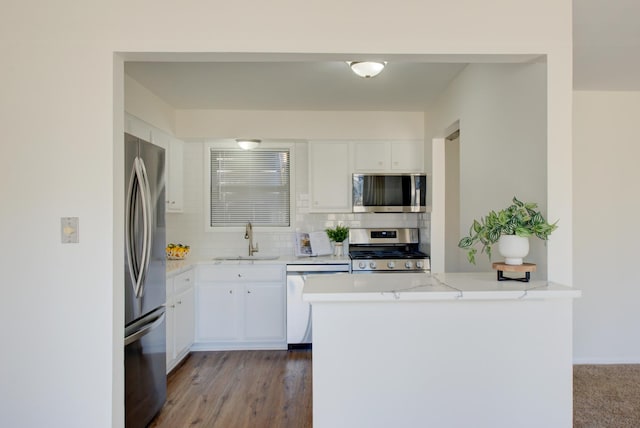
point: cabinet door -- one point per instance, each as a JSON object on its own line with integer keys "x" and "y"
{"x": 173, "y": 169}
{"x": 175, "y": 177}
{"x": 184, "y": 321}
{"x": 218, "y": 311}
{"x": 371, "y": 156}
{"x": 264, "y": 309}
{"x": 170, "y": 332}
{"x": 329, "y": 177}
{"x": 183, "y": 281}
{"x": 407, "y": 156}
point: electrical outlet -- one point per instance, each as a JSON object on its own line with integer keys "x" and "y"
{"x": 69, "y": 230}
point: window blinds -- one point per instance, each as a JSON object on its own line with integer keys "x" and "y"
{"x": 250, "y": 185}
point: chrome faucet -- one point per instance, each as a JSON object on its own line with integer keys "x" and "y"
{"x": 248, "y": 234}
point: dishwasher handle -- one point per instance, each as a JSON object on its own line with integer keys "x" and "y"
{"x": 317, "y": 268}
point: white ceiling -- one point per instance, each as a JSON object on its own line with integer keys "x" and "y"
{"x": 293, "y": 85}
{"x": 606, "y": 39}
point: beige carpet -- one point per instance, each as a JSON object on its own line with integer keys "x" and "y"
{"x": 606, "y": 396}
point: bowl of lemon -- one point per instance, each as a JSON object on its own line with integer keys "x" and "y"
{"x": 177, "y": 251}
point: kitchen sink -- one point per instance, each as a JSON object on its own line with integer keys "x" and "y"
{"x": 247, "y": 258}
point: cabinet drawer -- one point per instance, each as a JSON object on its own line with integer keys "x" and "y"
{"x": 183, "y": 281}
{"x": 241, "y": 273}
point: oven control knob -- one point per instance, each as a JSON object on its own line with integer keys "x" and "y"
{"x": 391, "y": 265}
{"x": 408, "y": 265}
{"x": 419, "y": 264}
{"x": 372, "y": 265}
{"x": 362, "y": 265}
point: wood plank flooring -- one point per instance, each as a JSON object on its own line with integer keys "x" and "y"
{"x": 239, "y": 389}
{"x": 265, "y": 389}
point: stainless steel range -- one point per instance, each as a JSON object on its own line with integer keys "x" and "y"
{"x": 387, "y": 250}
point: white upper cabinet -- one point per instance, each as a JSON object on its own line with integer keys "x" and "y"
{"x": 372, "y": 156}
{"x": 173, "y": 160}
{"x": 175, "y": 174}
{"x": 173, "y": 167}
{"x": 329, "y": 176}
{"x": 389, "y": 156}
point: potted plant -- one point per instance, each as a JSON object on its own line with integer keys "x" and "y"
{"x": 516, "y": 223}
{"x": 338, "y": 234}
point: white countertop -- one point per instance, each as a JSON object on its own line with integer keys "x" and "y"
{"x": 177, "y": 266}
{"x": 425, "y": 286}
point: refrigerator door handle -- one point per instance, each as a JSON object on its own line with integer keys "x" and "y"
{"x": 129, "y": 231}
{"x": 137, "y": 335}
{"x": 138, "y": 185}
{"x": 147, "y": 213}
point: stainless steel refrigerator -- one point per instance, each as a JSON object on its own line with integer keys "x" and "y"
{"x": 144, "y": 282}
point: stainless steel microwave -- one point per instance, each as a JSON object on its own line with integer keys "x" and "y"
{"x": 390, "y": 193}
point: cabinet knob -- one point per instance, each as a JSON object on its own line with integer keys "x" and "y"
{"x": 179, "y": 302}
{"x": 248, "y": 291}
{"x": 239, "y": 275}
{"x": 230, "y": 291}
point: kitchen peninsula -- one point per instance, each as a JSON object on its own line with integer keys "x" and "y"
{"x": 441, "y": 350}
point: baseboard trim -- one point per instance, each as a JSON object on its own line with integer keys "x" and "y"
{"x": 605, "y": 361}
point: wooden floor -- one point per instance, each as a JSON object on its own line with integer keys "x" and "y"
{"x": 273, "y": 389}
{"x": 239, "y": 389}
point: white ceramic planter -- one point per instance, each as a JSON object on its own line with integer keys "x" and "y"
{"x": 513, "y": 248}
{"x": 338, "y": 249}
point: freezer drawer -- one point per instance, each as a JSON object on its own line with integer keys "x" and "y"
{"x": 145, "y": 370}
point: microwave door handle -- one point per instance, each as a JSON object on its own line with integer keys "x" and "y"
{"x": 132, "y": 260}
{"x": 414, "y": 200}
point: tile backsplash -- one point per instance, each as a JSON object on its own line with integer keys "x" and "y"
{"x": 189, "y": 227}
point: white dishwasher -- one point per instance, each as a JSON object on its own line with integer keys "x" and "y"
{"x": 298, "y": 311}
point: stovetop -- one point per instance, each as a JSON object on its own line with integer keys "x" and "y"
{"x": 386, "y": 250}
{"x": 386, "y": 254}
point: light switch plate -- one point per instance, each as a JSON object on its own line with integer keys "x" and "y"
{"x": 69, "y": 233}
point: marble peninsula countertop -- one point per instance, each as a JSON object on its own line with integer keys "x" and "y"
{"x": 426, "y": 286}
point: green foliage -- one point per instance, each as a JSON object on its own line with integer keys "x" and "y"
{"x": 520, "y": 218}
{"x": 338, "y": 234}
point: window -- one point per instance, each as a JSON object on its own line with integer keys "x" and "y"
{"x": 249, "y": 185}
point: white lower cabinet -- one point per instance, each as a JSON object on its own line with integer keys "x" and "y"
{"x": 180, "y": 316}
{"x": 218, "y": 306}
{"x": 241, "y": 307}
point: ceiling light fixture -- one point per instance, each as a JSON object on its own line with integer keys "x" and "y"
{"x": 367, "y": 69}
{"x": 248, "y": 144}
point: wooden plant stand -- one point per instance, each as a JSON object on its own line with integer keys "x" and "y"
{"x": 527, "y": 268}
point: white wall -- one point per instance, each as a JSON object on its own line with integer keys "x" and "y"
{"x": 336, "y": 125}
{"x": 290, "y": 126}
{"x": 61, "y": 115}
{"x": 503, "y": 146}
{"x": 189, "y": 226}
{"x": 144, "y": 104}
{"x": 606, "y": 206}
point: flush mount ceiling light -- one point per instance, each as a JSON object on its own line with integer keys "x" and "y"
{"x": 248, "y": 144}
{"x": 367, "y": 68}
